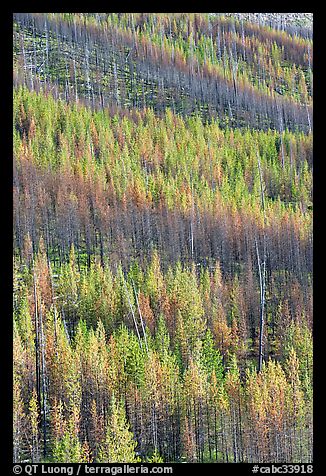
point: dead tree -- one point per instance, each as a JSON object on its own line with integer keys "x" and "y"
{"x": 140, "y": 315}
{"x": 41, "y": 385}
{"x": 132, "y": 310}
{"x": 261, "y": 272}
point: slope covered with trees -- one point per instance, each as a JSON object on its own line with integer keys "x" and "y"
{"x": 162, "y": 239}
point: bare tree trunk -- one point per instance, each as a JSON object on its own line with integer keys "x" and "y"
{"x": 262, "y": 273}
{"x": 132, "y": 312}
{"x": 141, "y": 317}
{"x": 44, "y": 386}
{"x": 37, "y": 363}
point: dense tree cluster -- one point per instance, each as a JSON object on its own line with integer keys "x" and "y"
{"x": 162, "y": 239}
{"x": 131, "y": 365}
{"x": 241, "y": 72}
{"x": 125, "y": 185}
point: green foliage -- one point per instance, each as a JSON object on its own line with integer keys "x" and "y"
{"x": 119, "y": 444}
{"x": 298, "y": 341}
{"x": 137, "y": 228}
{"x": 154, "y": 458}
{"x": 186, "y": 158}
{"x": 211, "y": 357}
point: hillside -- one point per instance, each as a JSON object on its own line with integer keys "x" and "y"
{"x": 163, "y": 209}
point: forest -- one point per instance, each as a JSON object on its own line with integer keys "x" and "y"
{"x": 162, "y": 240}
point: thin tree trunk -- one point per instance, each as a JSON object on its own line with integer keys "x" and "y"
{"x": 262, "y": 273}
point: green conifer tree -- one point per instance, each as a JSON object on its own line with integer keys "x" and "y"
{"x": 119, "y": 444}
